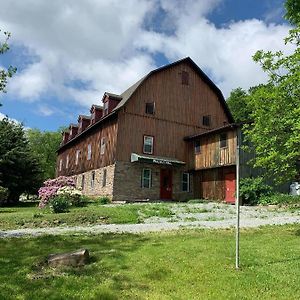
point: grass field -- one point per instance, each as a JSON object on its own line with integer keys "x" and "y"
{"x": 187, "y": 264}
{"x": 29, "y": 215}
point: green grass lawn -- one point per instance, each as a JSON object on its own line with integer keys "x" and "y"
{"x": 30, "y": 216}
{"x": 187, "y": 264}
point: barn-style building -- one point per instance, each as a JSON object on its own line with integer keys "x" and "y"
{"x": 169, "y": 136}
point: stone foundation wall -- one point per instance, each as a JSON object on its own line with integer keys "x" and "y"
{"x": 97, "y": 189}
{"x": 128, "y": 177}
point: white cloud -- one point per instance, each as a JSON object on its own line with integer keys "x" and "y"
{"x": 3, "y": 116}
{"x": 45, "y": 110}
{"x": 106, "y": 45}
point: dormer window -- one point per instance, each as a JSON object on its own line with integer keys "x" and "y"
{"x": 150, "y": 107}
{"x": 105, "y": 111}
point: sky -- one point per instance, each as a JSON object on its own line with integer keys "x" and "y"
{"x": 68, "y": 53}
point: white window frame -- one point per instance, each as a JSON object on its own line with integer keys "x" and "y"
{"x": 77, "y": 157}
{"x": 149, "y": 138}
{"x": 187, "y": 182}
{"x": 89, "y": 152}
{"x": 102, "y": 145}
{"x": 60, "y": 164}
{"x": 149, "y": 179}
{"x": 67, "y": 162}
{"x": 105, "y": 108}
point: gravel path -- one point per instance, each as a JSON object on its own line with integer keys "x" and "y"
{"x": 201, "y": 215}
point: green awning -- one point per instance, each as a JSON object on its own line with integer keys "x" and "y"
{"x": 156, "y": 160}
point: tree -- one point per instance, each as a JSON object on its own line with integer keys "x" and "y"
{"x": 19, "y": 168}
{"x": 5, "y": 73}
{"x": 275, "y": 106}
{"x": 238, "y": 102}
{"x": 292, "y": 11}
{"x": 44, "y": 146}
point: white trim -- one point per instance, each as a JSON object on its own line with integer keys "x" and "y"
{"x": 143, "y": 178}
{"x": 89, "y": 152}
{"x": 102, "y": 145}
{"x": 150, "y": 138}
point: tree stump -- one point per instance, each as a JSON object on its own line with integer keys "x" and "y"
{"x": 70, "y": 259}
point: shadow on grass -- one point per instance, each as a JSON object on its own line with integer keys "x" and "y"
{"x": 23, "y": 270}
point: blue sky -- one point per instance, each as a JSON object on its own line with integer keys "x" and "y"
{"x": 68, "y": 55}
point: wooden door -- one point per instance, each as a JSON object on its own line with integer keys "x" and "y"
{"x": 230, "y": 188}
{"x": 165, "y": 184}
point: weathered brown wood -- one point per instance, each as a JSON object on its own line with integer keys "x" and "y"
{"x": 71, "y": 259}
{"x": 179, "y": 110}
{"x": 212, "y": 156}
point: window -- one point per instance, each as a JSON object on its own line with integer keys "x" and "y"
{"x": 67, "y": 162}
{"x": 146, "y": 178}
{"x": 82, "y": 182}
{"x": 105, "y": 111}
{"x": 197, "y": 146}
{"x": 206, "y": 120}
{"x": 185, "y": 77}
{"x": 104, "y": 178}
{"x": 150, "y": 107}
{"x": 89, "y": 152}
{"x": 77, "y": 157}
{"x": 93, "y": 179}
{"x": 185, "y": 182}
{"x": 148, "y": 144}
{"x": 102, "y": 145}
{"x": 60, "y": 164}
{"x": 223, "y": 140}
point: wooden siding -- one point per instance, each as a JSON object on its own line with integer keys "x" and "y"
{"x": 179, "y": 109}
{"x": 211, "y": 182}
{"x": 107, "y": 130}
{"x": 212, "y": 156}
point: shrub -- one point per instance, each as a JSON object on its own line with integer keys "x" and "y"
{"x": 104, "y": 200}
{"x": 3, "y": 195}
{"x": 73, "y": 195}
{"x": 252, "y": 189}
{"x": 279, "y": 199}
{"x": 51, "y": 186}
{"x": 59, "y": 204}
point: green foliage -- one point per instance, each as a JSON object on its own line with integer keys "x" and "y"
{"x": 3, "y": 195}
{"x": 251, "y": 189}
{"x": 19, "y": 168}
{"x": 5, "y": 73}
{"x": 279, "y": 199}
{"x": 60, "y": 204}
{"x": 238, "y": 103}
{"x": 275, "y": 133}
{"x": 293, "y": 11}
{"x": 104, "y": 200}
{"x": 44, "y": 145}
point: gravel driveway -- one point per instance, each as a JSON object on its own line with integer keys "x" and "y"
{"x": 200, "y": 215}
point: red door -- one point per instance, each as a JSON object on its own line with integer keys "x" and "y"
{"x": 165, "y": 184}
{"x": 230, "y": 188}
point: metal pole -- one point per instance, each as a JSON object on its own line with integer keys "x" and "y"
{"x": 237, "y": 202}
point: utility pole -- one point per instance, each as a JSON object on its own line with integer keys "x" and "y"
{"x": 237, "y": 201}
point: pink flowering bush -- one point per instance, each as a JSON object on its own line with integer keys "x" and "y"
{"x": 51, "y": 187}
